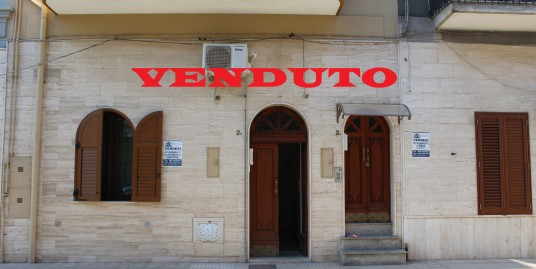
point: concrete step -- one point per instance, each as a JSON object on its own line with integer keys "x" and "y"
{"x": 370, "y": 243}
{"x": 372, "y": 257}
{"x": 279, "y": 260}
{"x": 365, "y": 229}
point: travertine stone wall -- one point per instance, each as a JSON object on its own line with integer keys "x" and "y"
{"x": 444, "y": 84}
{"x": 16, "y": 230}
{"x": 70, "y": 231}
{"x": 3, "y": 63}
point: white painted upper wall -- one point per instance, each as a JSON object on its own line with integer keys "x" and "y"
{"x": 490, "y": 22}
{"x": 302, "y": 7}
{"x": 461, "y": 16}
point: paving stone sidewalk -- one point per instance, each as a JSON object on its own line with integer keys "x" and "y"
{"x": 440, "y": 264}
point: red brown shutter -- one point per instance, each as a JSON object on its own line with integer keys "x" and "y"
{"x": 503, "y": 163}
{"x": 147, "y": 159}
{"x": 516, "y": 159}
{"x": 88, "y": 158}
{"x": 489, "y": 165}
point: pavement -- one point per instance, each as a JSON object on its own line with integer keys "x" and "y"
{"x": 437, "y": 264}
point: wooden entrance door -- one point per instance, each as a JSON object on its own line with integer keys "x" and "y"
{"x": 367, "y": 170}
{"x": 272, "y": 127}
{"x": 264, "y": 197}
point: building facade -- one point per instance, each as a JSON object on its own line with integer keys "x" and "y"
{"x": 436, "y": 164}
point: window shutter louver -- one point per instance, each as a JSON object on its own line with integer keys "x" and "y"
{"x": 490, "y": 195}
{"x": 503, "y": 163}
{"x": 88, "y": 158}
{"x": 517, "y": 166}
{"x": 147, "y": 159}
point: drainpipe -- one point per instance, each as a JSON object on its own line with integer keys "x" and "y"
{"x": 251, "y": 60}
{"x": 15, "y": 32}
{"x": 4, "y": 166}
{"x": 36, "y": 158}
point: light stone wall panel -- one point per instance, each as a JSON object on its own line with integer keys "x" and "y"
{"x": 100, "y": 77}
{"x": 443, "y": 93}
{"x": 16, "y": 230}
{"x": 3, "y": 99}
{"x": 434, "y": 200}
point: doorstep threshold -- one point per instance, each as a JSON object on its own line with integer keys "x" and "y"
{"x": 277, "y": 260}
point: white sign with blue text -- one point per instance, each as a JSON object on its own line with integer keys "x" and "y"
{"x": 172, "y": 153}
{"x": 420, "y": 145}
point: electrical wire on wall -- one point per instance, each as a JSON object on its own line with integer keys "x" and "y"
{"x": 58, "y": 58}
{"x": 246, "y": 166}
{"x": 406, "y": 22}
{"x": 304, "y": 40}
{"x": 485, "y": 74}
{"x": 333, "y": 42}
{"x": 303, "y": 66}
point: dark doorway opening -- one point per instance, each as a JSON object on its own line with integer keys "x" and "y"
{"x": 289, "y": 199}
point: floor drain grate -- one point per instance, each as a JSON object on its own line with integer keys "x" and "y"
{"x": 262, "y": 266}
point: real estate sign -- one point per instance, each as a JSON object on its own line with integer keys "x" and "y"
{"x": 172, "y": 153}
{"x": 420, "y": 144}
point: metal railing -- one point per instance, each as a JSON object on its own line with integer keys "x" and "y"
{"x": 437, "y": 6}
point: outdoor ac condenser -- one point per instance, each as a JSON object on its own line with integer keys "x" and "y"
{"x": 225, "y": 56}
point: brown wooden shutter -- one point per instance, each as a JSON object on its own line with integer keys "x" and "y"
{"x": 503, "y": 163}
{"x": 517, "y": 165}
{"x": 88, "y": 158}
{"x": 147, "y": 159}
{"x": 489, "y": 165}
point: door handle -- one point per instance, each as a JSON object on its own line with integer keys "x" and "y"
{"x": 364, "y": 158}
{"x": 276, "y": 186}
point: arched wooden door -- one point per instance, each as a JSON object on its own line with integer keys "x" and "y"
{"x": 367, "y": 163}
{"x": 275, "y": 132}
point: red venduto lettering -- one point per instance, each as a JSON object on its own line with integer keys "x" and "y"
{"x": 344, "y": 76}
{"x": 299, "y": 77}
{"x": 390, "y": 77}
{"x": 232, "y": 77}
{"x": 149, "y": 81}
{"x": 224, "y": 75}
{"x": 188, "y": 77}
{"x": 259, "y": 77}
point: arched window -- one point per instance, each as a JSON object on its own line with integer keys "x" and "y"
{"x": 278, "y": 124}
{"x": 114, "y": 162}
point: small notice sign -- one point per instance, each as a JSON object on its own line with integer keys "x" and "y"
{"x": 172, "y": 153}
{"x": 420, "y": 145}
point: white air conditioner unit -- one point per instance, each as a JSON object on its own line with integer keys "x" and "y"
{"x": 225, "y": 56}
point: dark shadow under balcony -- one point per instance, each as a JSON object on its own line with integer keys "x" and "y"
{"x": 484, "y": 15}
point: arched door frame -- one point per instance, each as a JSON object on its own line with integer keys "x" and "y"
{"x": 247, "y": 187}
